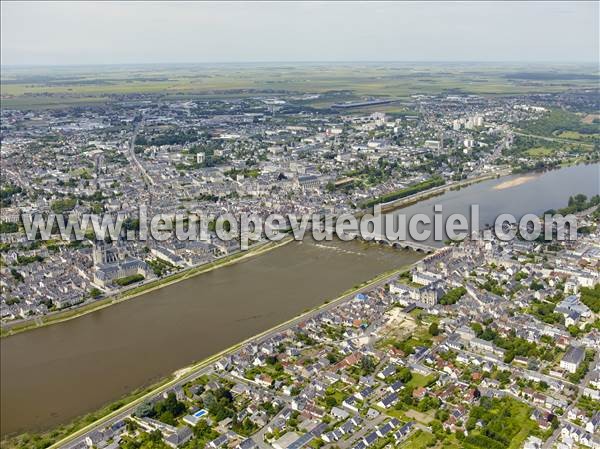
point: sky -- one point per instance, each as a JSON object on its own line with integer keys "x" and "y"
{"x": 66, "y": 33}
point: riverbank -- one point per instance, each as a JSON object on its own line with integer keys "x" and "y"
{"x": 62, "y": 316}
{"x": 117, "y": 410}
{"x": 440, "y": 190}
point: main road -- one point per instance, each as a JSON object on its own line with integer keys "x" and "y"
{"x": 147, "y": 178}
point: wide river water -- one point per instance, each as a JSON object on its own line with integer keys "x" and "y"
{"x": 50, "y": 375}
{"x": 53, "y": 374}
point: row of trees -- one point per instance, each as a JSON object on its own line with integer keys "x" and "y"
{"x": 435, "y": 181}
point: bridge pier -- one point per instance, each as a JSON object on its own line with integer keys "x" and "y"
{"x": 380, "y": 240}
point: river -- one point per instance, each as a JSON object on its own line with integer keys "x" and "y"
{"x": 533, "y": 193}
{"x": 56, "y": 373}
{"x": 53, "y": 374}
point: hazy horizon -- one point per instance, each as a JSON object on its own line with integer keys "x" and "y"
{"x": 158, "y": 33}
{"x": 319, "y": 62}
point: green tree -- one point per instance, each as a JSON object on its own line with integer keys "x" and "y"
{"x": 434, "y": 329}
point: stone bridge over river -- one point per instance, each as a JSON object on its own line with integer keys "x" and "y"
{"x": 402, "y": 244}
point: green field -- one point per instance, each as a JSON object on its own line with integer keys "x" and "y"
{"x": 418, "y": 440}
{"x": 418, "y": 380}
{"x": 540, "y": 152}
{"x": 574, "y": 135}
{"x": 55, "y": 86}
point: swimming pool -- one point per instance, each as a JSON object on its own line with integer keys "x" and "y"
{"x": 200, "y": 413}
